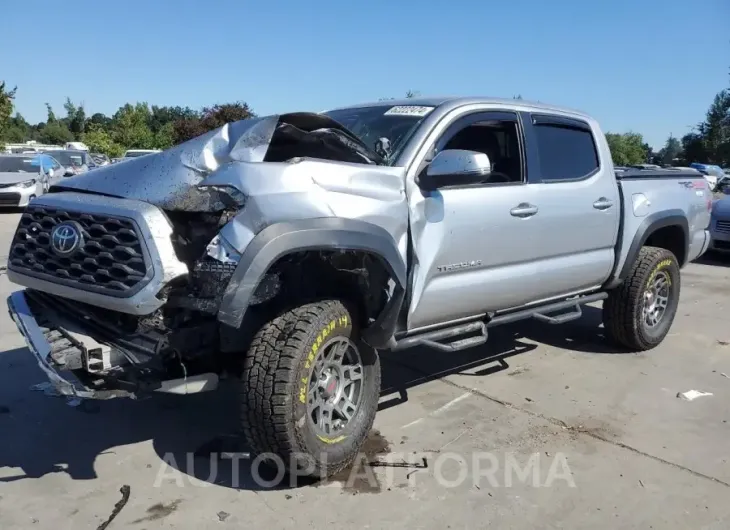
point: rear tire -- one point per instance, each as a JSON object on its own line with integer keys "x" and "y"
{"x": 639, "y": 313}
{"x": 290, "y": 367}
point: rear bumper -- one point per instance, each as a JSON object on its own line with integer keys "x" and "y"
{"x": 35, "y": 338}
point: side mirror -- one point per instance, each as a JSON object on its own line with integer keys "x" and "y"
{"x": 455, "y": 167}
{"x": 50, "y": 172}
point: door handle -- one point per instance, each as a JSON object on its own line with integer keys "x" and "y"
{"x": 523, "y": 210}
{"x": 602, "y": 204}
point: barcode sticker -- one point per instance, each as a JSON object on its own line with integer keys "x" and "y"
{"x": 409, "y": 110}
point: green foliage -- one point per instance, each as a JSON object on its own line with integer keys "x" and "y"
{"x": 99, "y": 140}
{"x": 627, "y": 149}
{"x": 55, "y": 133}
{"x": 671, "y": 152}
{"x": 6, "y": 109}
{"x": 210, "y": 118}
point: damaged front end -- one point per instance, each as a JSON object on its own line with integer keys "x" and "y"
{"x": 150, "y": 296}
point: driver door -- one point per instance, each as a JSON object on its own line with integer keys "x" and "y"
{"x": 473, "y": 251}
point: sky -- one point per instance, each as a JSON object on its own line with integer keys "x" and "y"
{"x": 648, "y": 66}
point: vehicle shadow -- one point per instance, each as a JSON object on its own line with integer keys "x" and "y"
{"x": 715, "y": 259}
{"x": 196, "y": 438}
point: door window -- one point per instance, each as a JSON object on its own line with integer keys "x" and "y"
{"x": 496, "y": 136}
{"x": 566, "y": 153}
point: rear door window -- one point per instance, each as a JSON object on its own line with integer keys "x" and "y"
{"x": 567, "y": 151}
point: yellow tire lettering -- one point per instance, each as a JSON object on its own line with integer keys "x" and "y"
{"x": 330, "y": 441}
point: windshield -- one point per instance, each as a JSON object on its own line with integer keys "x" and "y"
{"x": 68, "y": 158}
{"x": 19, "y": 164}
{"x": 135, "y": 154}
{"x": 370, "y": 124}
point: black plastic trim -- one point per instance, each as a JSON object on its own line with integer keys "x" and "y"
{"x": 649, "y": 225}
{"x": 560, "y": 121}
{"x": 324, "y": 233}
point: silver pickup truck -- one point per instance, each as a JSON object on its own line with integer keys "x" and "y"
{"x": 288, "y": 249}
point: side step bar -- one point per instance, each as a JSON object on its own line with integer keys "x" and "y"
{"x": 541, "y": 312}
{"x": 440, "y": 338}
{"x": 431, "y": 338}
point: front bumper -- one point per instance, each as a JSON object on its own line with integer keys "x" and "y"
{"x": 15, "y": 196}
{"x": 720, "y": 239}
{"x": 67, "y": 385}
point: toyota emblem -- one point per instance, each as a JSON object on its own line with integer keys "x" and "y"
{"x": 65, "y": 238}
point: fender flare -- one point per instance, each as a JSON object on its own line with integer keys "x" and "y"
{"x": 325, "y": 233}
{"x": 649, "y": 225}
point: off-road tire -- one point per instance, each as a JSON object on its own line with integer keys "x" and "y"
{"x": 622, "y": 310}
{"x": 274, "y": 412}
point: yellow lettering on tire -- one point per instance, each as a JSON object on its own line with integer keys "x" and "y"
{"x": 330, "y": 441}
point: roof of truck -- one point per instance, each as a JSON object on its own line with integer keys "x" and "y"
{"x": 458, "y": 101}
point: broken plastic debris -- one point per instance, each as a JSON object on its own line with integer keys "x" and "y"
{"x": 46, "y": 388}
{"x": 691, "y": 395}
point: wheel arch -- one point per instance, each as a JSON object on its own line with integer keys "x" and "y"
{"x": 281, "y": 240}
{"x": 668, "y": 230}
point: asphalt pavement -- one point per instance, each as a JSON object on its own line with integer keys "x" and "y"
{"x": 543, "y": 427}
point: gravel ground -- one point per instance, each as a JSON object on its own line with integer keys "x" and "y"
{"x": 544, "y": 427}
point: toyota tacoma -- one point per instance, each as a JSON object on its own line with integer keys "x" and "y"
{"x": 287, "y": 250}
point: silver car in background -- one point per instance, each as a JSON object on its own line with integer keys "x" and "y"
{"x": 26, "y": 176}
{"x": 74, "y": 162}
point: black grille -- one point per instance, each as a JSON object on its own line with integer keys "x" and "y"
{"x": 111, "y": 259}
{"x": 9, "y": 199}
{"x": 723, "y": 226}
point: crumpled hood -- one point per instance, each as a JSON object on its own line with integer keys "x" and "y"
{"x": 171, "y": 179}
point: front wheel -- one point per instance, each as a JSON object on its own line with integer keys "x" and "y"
{"x": 639, "y": 313}
{"x": 310, "y": 390}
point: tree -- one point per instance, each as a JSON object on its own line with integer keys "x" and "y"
{"x": 6, "y": 109}
{"x": 100, "y": 141}
{"x": 211, "y": 118}
{"x": 51, "y": 116}
{"x": 693, "y": 148}
{"x": 100, "y": 120}
{"x": 627, "y": 149}
{"x": 129, "y": 127}
{"x": 75, "y": 118}
{"x": 716, "y": 129}
{"x": 671, "y": 151}
{"x": 56, "y": 133}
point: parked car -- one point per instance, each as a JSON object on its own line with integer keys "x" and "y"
{"x": 720, "y": 225}
{"x": 134, "y": 153}
{"x": 23, "y": 177}
{"x": 74, "y": 162}
{"x": 711, "y": 172}
{"x": 289, "y": 249}
{"x": 100, "y": 159}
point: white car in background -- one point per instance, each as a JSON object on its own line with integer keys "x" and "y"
{"x": 134, "y": 153}
{"x": 24, "y": 177}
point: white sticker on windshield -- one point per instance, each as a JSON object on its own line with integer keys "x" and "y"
{"x": 409, "y": 110}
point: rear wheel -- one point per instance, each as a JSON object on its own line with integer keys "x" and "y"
{"x": 310, "y": 389}
{"x": 639, "y": 313}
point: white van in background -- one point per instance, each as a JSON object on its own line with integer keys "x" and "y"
{"x": 76, "y": 146}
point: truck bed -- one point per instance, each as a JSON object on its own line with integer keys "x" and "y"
{"x": 650, "y": 194}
